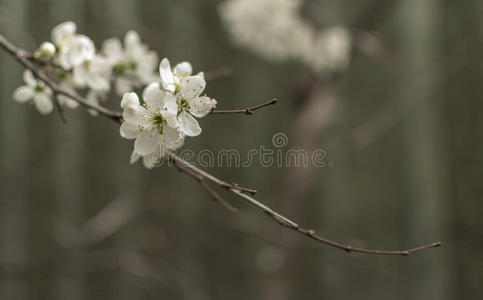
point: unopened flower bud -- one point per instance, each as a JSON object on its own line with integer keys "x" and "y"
{"x": 45, "y": 51}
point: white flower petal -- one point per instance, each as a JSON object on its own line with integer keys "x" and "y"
{"x": 98, "y": 83}
{"x": 148, "y": 162}
{"x": 112, "y": 49}
{"x": 188, "y": 124}
{"x": 153, "y": 85}
{"x": 132, "y": 42}
{"x": 192, "y": 87}
{"x": 172, "y": 137}
{"x": 68, "y": 102}
{"x": 134, "y": 157}
{"x": 170, "y": 117}
{"x": 128, "y": 131}
{"x": 43, "y": 103}
{"x": 129, "y": 99}
{"x": 153, "y": 159}
{"x": 183, "y": 69}
{"x": 82, "y": 49}
{"x": 79, "y": 76}
{"x": 137, "y": 116}
{"x": 154, "y": 98}
{"x": 29, "y": 79}
{"x": 62, "y": 31}
{"x": 201, "y": 106}
{"x": 167, "y": 77}
{"x": 123, "y": 85}
{"x": 170, "y": 103}
{"x": 23, "y": 94}
{"x": 146, "y": 142}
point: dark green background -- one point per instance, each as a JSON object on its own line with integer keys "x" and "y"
{"x": 402, "y": 128}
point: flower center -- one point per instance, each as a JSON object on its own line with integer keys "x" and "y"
{"x": 87, "y": 64}
{"x": 38, "y": 87}
{"x": 159, "y": 122}
{"x": 125, "y": 66}
{"x": 183, "y": 105}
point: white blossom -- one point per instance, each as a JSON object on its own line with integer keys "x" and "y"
{"x": 150, "y": 160}
{"x": 93, "y": 74}
{"x": 187, "y": 89}
{"x": 152, "y": 123}
{"x": 331, "y": 51}
{"x": 73, "y": 48}
{"x": 34, "y": 91}
{"x": 134, "y": 64}
{"x": 67, "y": 84}
{"x": 272, "y": 28}
{"x": 276, "y": 30}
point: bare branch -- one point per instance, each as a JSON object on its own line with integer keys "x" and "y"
{"x": 59, "y": 108}
{"x": 286, "y": 222}
{"x": 206, "y": 187}
{"x": 247, "y": 111}
{"x": 201, "y": 176}
{"x": 218, "y": 198}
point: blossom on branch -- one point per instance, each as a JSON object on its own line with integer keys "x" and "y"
{"x": 93, "y": 74}
{"x": 187, "y": 90}
{"x": 133, "y": 65}
{"x": 73, "y": 49}
{"x": 34, "y": 91}
{"x": 152, "y": 123}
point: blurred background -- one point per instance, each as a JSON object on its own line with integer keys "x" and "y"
{"x": 402, "y": 127}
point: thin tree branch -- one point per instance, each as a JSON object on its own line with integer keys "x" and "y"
{"x": 23, "y": 57}
{"x": 206, "y": 187}
{"x": 218, "y": 198}
{"x": 286, "y": 222}
{"x": 186, "y": 167}
{"x": 247, "y": 111}
{"x": 59, "y": 108}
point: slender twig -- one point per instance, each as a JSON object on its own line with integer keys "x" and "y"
{"x": 286, "y": 222}
{"x": 218, "y": 198}
{"x": 23, "y": 57}
{"x": 247, "y": 111}
{"x": 206, "y": 187}
{"x": 58, "y": 107}
{"x": 181, "y": 162}
{"x": 200, "y": 175}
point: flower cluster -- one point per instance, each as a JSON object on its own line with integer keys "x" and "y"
{"x": 167, "y": 113}
{"x": 158, "y": 122}
{"x": 285, "y": 34}
{"x": 73, "y": 59}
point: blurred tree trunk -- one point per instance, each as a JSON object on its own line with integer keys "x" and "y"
{"x": 14, "y": 152}
{"x": 426, "y": 160}
{"x": 296, "y": 188}
{"x": 463, "y": 93}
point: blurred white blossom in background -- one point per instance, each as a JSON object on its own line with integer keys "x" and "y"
{"x": 276, "y": 30}
{"x": 134, "y": 64}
